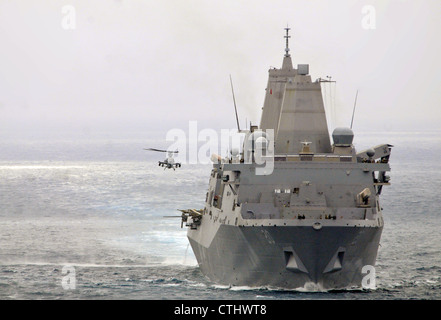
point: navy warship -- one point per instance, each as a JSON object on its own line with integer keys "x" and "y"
{"x": 291, "y": 208}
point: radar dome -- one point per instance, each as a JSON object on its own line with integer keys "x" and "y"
{"x": 342, "y": 136}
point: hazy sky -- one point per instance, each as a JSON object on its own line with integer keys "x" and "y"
{"x": 141, "y": 65}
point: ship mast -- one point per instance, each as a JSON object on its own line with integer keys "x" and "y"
{"x": 293, "y": 108}
{"x": 287, "y": 36}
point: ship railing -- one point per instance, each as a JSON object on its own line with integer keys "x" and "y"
{"x": 315, "y": 158}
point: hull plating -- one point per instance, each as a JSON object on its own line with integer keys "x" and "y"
{"x": 288, "y": 257}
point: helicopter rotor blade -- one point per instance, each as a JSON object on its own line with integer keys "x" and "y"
{"x": 160, "y": 150}
{"x": 153, "y": 149}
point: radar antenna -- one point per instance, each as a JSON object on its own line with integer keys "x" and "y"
{"x": 235, "y": 108}
{"x": 287, "y": 36}
{"x": 353, "y": 111}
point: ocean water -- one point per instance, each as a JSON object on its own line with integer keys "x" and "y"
{"x": 95, "y": 211}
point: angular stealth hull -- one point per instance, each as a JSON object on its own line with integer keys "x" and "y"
{"x": 289, "y": 257}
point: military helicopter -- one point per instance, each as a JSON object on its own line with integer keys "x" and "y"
{"x": 168, "y": 163}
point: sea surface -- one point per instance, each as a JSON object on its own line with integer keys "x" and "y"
{"x": 90, "y": 219}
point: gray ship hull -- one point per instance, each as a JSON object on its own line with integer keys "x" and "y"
{"x": 289, "y": 257}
